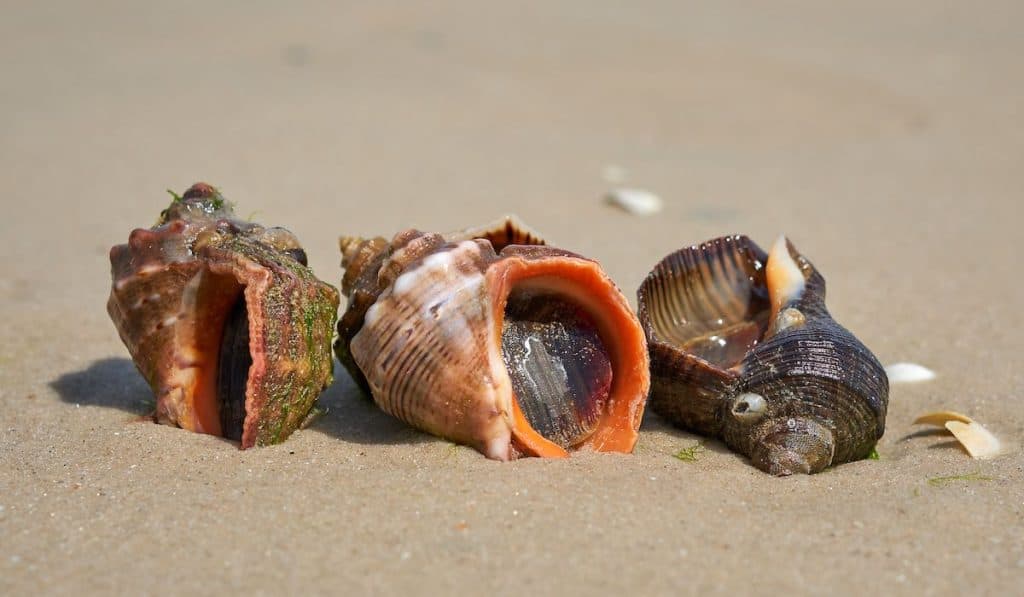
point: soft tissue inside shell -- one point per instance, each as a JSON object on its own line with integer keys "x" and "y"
{"x": 727, "y": 346}
{"x": 233, "y": 371}
{"x": 560, "y": 370}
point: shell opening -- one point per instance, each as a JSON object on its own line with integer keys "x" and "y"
{"x": 560, "y": 369}
{"x": 219, "y": 332}
{"x": 234, "y": 362}
{"x": 710, "y": 302}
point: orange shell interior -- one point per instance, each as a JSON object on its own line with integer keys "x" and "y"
{"x": 583, "y": 282}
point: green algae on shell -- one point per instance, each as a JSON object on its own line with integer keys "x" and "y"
{"x": 224, "y": 320}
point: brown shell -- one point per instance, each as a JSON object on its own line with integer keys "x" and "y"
{"x": 199, "y": 285}
{"x": 425, "y": 326}
{"x": 743, "y": 348}
{"x": 362, "y": 260}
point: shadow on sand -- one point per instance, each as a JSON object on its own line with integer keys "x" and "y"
{"x": 112, "y": 383}
{"x": 351, "y": 416}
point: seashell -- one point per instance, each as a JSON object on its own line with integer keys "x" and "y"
{"x": 743, "y": 348}
{"x": 224, "y": 320}
{"x": 972, "y": 435}
{"x": 908, "y": 373}
{"x": 635, "y": 201}
{"x": 489, "y": 338}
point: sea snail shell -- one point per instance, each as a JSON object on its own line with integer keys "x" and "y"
{"x": 224, "y": 320}
{"x": 491, "y": 339}
{"x": 743, "y": 348}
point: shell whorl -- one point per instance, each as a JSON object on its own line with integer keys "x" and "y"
{"x": 819, "y": 370}
{"x": 429, "y": 328}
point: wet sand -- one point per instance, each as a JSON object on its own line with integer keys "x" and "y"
{"x": 885, "y": 140}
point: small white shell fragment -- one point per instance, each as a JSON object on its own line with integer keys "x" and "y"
{"x": 636, "y": 201}
{"x": 940, "y": 418}
{"x": 978, "y": 441}
{"x": 908, "y": 373}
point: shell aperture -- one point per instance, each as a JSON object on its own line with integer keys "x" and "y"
{"x": 743, "y": 348}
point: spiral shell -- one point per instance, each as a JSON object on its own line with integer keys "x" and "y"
{"x": 743, "y": 348}
{"x": 224, "y": 320}
{"x": 529, "y": 350}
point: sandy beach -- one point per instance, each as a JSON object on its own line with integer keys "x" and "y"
{"x": 884, "y": 138}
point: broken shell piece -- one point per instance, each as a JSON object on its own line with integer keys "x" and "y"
{"x": 636, "y": 201}
{"x": 908, "y": 373}
{"x": 527, "y": 350}
{"x": 224, "y": 320}
{"x": 978, "y": 441}
{"x": 939, "y": 419}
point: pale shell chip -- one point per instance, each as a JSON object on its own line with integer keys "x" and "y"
{"x": 635, "y": 201}
{"x": 978, "y": 441}
{"x": 908, "y": 373}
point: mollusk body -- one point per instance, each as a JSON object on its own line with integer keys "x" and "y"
{"x": 224, "y": 320}
{"x": 743, "y": 348}
{"x": 513, "y": 349}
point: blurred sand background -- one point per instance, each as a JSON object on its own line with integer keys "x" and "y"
{"x": 885, "y": 138}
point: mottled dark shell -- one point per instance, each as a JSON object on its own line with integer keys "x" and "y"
{"x": 427, "y": 331}
{"x": 224, "y": 320}
{"x": 755, "y": 358}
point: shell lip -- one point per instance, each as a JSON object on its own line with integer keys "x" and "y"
{"x": 583, "y": 282}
